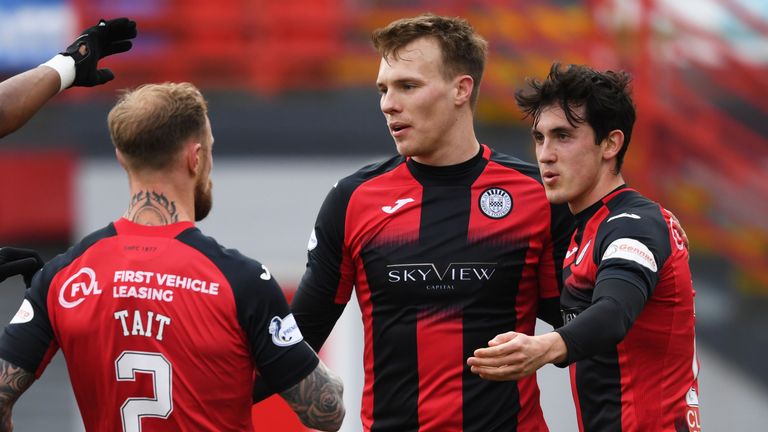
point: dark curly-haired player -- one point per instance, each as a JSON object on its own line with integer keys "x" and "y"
{"x": 627, "y": 298}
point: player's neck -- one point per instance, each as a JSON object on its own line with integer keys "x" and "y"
{"x": 602, "y": 188}
{"x": 158, "y": 204}
{"x": 459, "y": 144}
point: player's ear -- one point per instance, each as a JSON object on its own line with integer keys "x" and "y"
{"x": 463, "y": 88}
{"x": 193, "y": 156}
{"x": 612, "y": 144}
{"x": 121, "y": 159}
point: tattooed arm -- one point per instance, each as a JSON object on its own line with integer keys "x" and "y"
{"x": 317, "y": 399}
{"x": 13, "y": 382}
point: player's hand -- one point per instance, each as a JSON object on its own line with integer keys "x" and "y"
{"x": 103, "y": 39}
{"x": 512, "y": 356}
{"x": 17, "y": 261}
{"x": 678, "y": 229}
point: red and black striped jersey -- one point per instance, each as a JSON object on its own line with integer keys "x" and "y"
{"x": 648, "y": 381}
{"x": 441, "y": 259}
{"x": 161, "y": 329}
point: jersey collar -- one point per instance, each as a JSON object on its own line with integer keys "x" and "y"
{"x": 464, "y": 171}
{"x": 124, "y": 226}
{"x": 587, "y": 213}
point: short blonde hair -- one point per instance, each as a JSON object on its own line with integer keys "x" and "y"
{"x": 149, "y": 124}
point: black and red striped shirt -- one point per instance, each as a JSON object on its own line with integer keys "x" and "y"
{"x": 625, "y": 255}
{"x": 441, "y": 259}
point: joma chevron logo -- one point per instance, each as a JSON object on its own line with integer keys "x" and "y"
{"x": 399, "y": 203}
{"x": 423, "y": 272}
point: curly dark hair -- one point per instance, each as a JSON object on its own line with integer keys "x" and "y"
{"x": 605, "y": 96}
{"x": 464, "y": 51}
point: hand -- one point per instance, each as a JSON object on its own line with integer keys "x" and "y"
{"x": 103, "y": 39}
{"x": 512, "y": 356}
{"x": 678, "y": 228}
{"x": 14, "y": 261}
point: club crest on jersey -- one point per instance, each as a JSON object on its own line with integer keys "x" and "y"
{"x": 79, "y": 286}
{"x": 284, "y": 331}
{"x": 495, "y": 203}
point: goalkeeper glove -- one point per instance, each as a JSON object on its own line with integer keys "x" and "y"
{"x": 103, "y": 39}
{"x": 17, "y": 261}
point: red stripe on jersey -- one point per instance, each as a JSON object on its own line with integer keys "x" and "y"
{"x": 531, "y": 417}
{"x": 364, "y": 301}
{"x": 547, "y": 272}
{"x": 344, "y": 289}
{"x": 52, "y": 349}
{"x": 531, "y": 220}
{"x": 440, "y": 370}
{"x": 370, "y": 217}
{"x": 368, "y": 221}
{"x": 486, "y": 152}
{"x": 633, "y": 393}
{"x": 681, "y": 272}
{"x": 528, "y": 293}
{"x": 612, "y": 195}
{"x": 575, "y": 392}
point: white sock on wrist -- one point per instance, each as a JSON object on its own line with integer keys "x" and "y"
{"x": 65, "y": 66}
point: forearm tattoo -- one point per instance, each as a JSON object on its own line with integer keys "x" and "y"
{"x": 152, "y": 208}
{"x": 13, "y": 382}
{"x": 317, "y": 399}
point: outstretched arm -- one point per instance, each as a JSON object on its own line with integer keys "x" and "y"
{"x": 22, "y": 95}
{"x": 317, "y": 399}
{"x": 511, "y": 356}
{"x": 13, "y": 382}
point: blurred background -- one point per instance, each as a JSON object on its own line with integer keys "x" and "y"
{"x": 294, "y": 108}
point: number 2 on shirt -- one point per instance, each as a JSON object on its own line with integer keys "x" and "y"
{"x": 133, "y": 409}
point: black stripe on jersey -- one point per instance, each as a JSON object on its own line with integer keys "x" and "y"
{"x": 446, "y": 209}
{"x": 562, "y": 225}
{"x": 30, "y": 354}
{"x": 599, "y": 391}
{"x": 393, "y": 409}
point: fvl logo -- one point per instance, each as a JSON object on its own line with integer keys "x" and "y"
{"x": 79, "y": 286}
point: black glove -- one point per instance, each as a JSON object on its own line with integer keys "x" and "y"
{"x": 17, "y": 261}
{"x": 103, "y": 39}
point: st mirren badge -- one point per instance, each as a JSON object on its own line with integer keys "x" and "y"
{"x": 495, "y": 203}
